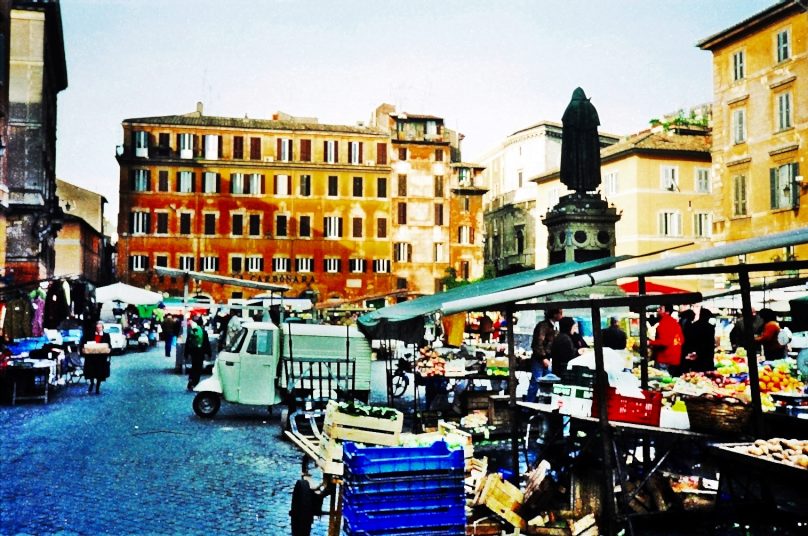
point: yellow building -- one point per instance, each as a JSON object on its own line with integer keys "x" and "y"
{"x": 760, "y": 124}
{"x": 660, "y": 183}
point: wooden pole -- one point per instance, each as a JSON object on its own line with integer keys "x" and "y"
{"x": 512, "y": 409}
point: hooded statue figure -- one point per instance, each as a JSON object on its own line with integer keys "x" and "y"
{"x": 580, "y": 145}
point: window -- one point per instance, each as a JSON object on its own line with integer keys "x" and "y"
{"x": 305, "y": 185}
{"x": 519, "y": 235}
{"x": 186, "y": 262}
{"x": 304, "y": 264}
{"x": 355, "y": 152}
{"x": 464, "y": 177}
{"x": 357, "y": 186}
{"x": 402, "y": 186}
{"x": 305, "y": 227}
{"x": 254, "y": 225}
{"x": 162, "y": 223}
{"x": 465, "y": 270}
{"x": 331, "y": 265}
{"x": 305, "y": 150}
{"x": 783, "y": 45}
{"x": 438, "y": 213}
{"x": 255, "y": 263}
{"x": 784, "y": 111}
{"x": 784, "y": 191}
{"x": 381, "y": 154}
{"x": 211, "y": 184}
{"x": 186, "y": 144}
{"x": 138, "y": 263}
{"x": 164, "y": 143}
{"x": 332, "y": 227}
{"x": 281, "y": 225}
{"x": 465, "y": 234}
{"x": 238, "y": 148}
{"x": 440, "y": 253}
{"x": 739, "y": 195}
{"x": 438, "y": 155}
{"x": 402, "y": 252}
{"x": 282, "y": 185}
{"x": 702, "y": 224}
{"x": 381, "y": 227}
{"x": 161, "y": 260}
{"x": 520, "y": 180}
{"x": 381, "y": 187}
{"x": 402, "y": 214}
{"x": 438, "y": 185}
{"x": 669, "y": 176}
{"x": 236, "y": 263}
{"x": 185, "y": 180}
{"x": 739, "y": 125}
{"x": 466, "y": 203}
{"x": 255, "y": 148}
{"x": 141, "y": 144}
{"x": 185, "y": 223}
{"x": 285, "y": 150}
{"x": 356, "y": 266}
{"x": 211, "y": 147}
{"x": 162, "y": 181}
{"x": 237, "y": 224}
{"x": 330, "y": 148}
{"x": 280, "y": 264}
{"x": 209, "y": 263}
{"x": 333, "y": 186}
{"x": 610, "y": 183}
{"x": 381, "y": 266}
{"x": 139, "y": 223}
{"x": 402, "y": 153}
{"x": 670, "y": 224}
{"x": 738, "y": 62}
{"x": 703, "y": 180}
{"x": 356, "y": 227}
{"x": 237, "y": 183}
{"x": 256, "y": 185}
{"x": 210, "y": 224}
{"x": 141, "y": 180}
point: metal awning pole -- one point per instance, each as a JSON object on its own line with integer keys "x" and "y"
{"x": 514, "y": 412}
{"x": 643, "y": 336}
{"x": 749, "y": 344}
{"x": 601, "y": 392}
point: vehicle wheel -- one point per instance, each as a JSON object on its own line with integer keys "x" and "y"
{"x": 302, "y": 511}
{"x": 207, "y": 404}
{"x": 400, "y": 384}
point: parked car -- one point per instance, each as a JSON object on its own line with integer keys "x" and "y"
{"x": 116, "y": 337}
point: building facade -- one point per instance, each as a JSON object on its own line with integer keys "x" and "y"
{"x": 760, "y": 126}
{"x": 83, "y": 248}
{"x": 37, "y": 73}
{"x": 287, "y": 201}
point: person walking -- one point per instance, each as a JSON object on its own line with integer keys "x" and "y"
{"x": 197, "y": 344}
{"x": 614, "y": 337}
{"x": 169, "y": 327}
{"x": 543, "y": 335}
{"x": 96, "y": 362}
{"x": 667, "y": 344}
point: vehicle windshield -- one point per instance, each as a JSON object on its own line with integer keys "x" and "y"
{"x": 237, "y": 341}
{"x": 113, "y": 329}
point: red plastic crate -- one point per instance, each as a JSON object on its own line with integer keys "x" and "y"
{"x": 634, "y": 410}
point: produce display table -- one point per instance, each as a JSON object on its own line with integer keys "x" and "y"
{"x": 29, "y": 382}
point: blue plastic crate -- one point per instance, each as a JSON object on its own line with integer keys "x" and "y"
{"x": 394, "y": 523}
{"x": 21, "y": 346}
{"x": 429, "y": 531}
{"x": 403, "y": 504}
{"x": 403, "y": 485}
{"x": 399, "y": 460}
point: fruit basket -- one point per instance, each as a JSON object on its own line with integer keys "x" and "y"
{"x": 718, "y": 415}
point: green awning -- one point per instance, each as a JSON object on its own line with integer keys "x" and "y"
{"x": 404, "y": 321}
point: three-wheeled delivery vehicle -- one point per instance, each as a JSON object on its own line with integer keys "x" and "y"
{"x": 300, "y": 365}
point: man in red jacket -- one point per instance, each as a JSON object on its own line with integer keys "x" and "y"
{"x": 667, "y": 346}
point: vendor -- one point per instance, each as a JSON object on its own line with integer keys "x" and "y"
{"x": 96, "y": 366}
{"x": 772, "y": 349}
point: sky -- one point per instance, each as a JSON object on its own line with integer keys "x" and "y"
{"x": 489, "y": 68}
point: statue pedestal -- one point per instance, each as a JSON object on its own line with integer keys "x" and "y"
{"x": 580, "y": 229}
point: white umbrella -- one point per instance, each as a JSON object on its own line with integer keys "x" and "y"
{"x": 121, "y": 292}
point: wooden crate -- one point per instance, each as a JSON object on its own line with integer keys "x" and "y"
{"x": 502, "y": 498}
{"x": 367, "y": 430}
{"x": 498, "y": 412}
{"x": 475, "y": 400}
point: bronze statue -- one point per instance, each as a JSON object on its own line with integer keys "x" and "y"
{"x": 580, "y": 145}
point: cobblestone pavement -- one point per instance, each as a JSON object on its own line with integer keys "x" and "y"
{"x": 136, "y": 460}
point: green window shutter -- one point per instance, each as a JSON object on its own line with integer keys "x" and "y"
{"x": 796, "y": 187}
{"x": 773, "y": 186}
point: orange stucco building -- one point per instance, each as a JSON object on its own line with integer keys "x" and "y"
{"x": 287, "y": 201}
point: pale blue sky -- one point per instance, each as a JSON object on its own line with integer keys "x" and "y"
{"x": 488, "y": 68}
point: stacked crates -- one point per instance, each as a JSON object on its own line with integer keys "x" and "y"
{"x": 403, "y": 491}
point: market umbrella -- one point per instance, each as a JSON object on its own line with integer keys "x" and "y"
{"x": 121, "y": 292}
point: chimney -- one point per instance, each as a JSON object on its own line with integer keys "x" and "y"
{"x": 199, "y": 107}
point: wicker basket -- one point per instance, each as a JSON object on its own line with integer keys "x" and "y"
{"x": 718, "y": 415}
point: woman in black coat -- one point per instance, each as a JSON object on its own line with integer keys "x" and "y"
{"x": 563, "y": 349}
{"x": 96, "y": 366}
{"x": 698, "y": 350}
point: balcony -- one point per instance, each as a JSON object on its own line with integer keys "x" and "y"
{"x": 515, "y": 262}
